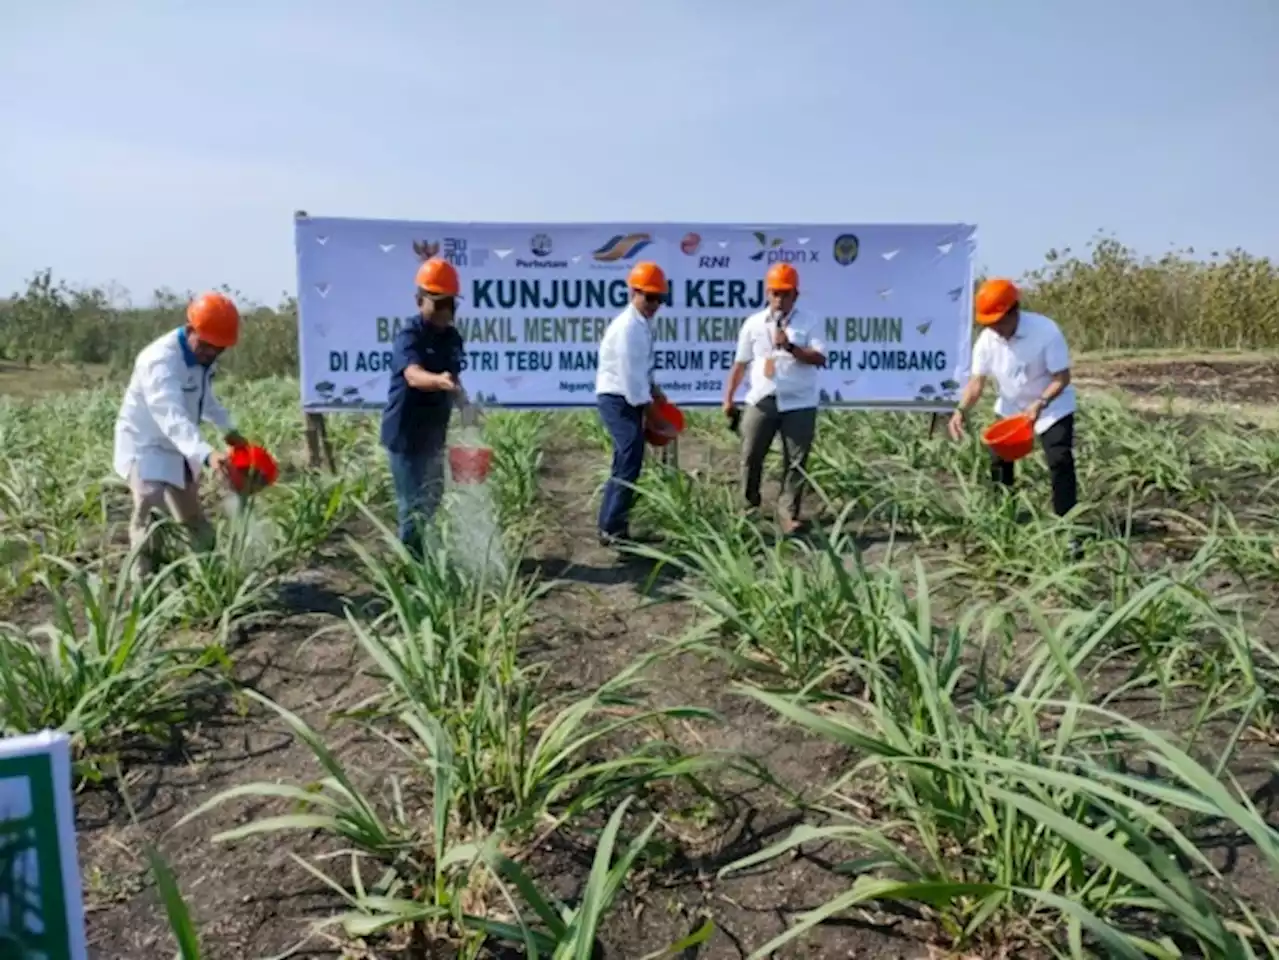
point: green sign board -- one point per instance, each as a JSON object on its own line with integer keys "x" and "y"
{"x": 41, "y": 910}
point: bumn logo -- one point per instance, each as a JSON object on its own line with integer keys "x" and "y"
{"x": 454, "y": 249}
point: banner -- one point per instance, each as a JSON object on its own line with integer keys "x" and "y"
{"x": 893, "y": 305}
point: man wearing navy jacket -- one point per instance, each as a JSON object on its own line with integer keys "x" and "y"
{"x": 426, "y": 383}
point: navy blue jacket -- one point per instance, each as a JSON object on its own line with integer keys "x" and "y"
{"x": 412, "y": 417}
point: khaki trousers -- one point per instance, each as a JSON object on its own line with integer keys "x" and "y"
{"x": 183, "y": 504}
{"x": 760, "y": 423}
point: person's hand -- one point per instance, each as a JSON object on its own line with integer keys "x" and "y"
{"x": 219, "y": 464}
{"x": 449, "y": 383}
{"x": 955, "y": 426}
{"x": 780, "y": 337}
{"x": 1033, "y": 412}
{"x": 728, "y": 406}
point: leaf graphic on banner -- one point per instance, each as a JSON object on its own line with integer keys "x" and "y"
{"x": 322, "y": 289}
{"x": 890, "y": 254}
{"x": 924, "y": 327}
{"x": 386, "y": 247}
{"x": 761, "y": 238}
{"x": 503, "y": 254}
{"x": 322, "y": 240}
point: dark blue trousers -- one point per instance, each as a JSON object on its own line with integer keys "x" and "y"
{"x": 625, "y": 424}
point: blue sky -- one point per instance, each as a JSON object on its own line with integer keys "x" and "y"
{"x": 168, "y": 143}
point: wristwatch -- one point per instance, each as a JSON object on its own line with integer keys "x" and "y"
{"x": 789, "y": 347}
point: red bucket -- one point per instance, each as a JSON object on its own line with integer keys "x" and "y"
{"x": 668, "y": 413}
{"x": 252, "y": 468}
{"x": 470, "y": 464}
{"x": 1011, "y": 439}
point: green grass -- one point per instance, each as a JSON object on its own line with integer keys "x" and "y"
{"x": 978, "y": 681}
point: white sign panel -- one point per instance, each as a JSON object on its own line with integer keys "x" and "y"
{"x": 893, "y": 305}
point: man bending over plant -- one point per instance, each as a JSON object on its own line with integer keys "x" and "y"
{"x": 158, "y": 446}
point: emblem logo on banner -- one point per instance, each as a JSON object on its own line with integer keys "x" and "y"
{"x": 621, "y": 247}
{"x": 845, "y": 249}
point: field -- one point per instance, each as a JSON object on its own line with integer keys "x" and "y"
{"x": 919, "y": 731}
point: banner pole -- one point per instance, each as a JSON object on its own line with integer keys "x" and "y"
{"x": 317, "y": 440}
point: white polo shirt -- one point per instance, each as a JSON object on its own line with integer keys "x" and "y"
{"x": 1023, "y": 367}
{"x": 625, "y": 362}
{"x": 795, "y": 384}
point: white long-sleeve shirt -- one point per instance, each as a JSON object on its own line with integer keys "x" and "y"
{"x": 625, "y": 363}
{"x": 158, "y": 427}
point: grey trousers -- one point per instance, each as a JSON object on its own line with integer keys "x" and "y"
{"x": 760, "y": 422}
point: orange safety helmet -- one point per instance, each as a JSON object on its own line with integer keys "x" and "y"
{"x": 647, "y": 277}
{"x": 995, "y": 298}
{"x": 215, "y": 319}
{"x": 438, "y": 277}
{"x": 782, "y": 276}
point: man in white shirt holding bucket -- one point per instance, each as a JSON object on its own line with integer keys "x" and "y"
{"x": 158, "y": 446}
{"x": 625, "y": 393}
{"x": 1026, "y": 355}
{"x": 781, "y": 346}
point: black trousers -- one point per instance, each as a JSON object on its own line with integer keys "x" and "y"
{"x": 1057, "y": 442}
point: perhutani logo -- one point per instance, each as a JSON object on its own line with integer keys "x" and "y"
{"x": 845, "y": 249}
{"x": 540, "y": 247}
{"x": 621, "y": 247}
{"x": 772, "y": 251}
{"x": 454, "y": 249}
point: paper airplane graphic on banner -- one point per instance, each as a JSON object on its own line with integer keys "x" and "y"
{"x": 512, "y": 382}
{"x": 955, "y": 292}
{"x": 322, "y": 289}
{"x": 945, "y": 248}
{"x": 924, "y": 327}
{"x": 386, "y": 247}
{"x": 322, "y": 240}
{"x": 722, "y": 243}
{"x": 802, "y": 240}
{"x": 577, "y": 258}
{"x": 503, "y": 254}
{"x": 890, "y": 254}
{"x": 884, "y": 293}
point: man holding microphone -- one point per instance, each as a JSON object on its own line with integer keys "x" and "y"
{"x": 784, "y": 354}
